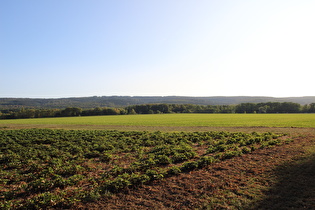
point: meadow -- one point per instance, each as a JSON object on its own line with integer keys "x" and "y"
{"x": 173, "y": 120}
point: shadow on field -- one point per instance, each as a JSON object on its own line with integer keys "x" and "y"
{"x": 295, "y": 187}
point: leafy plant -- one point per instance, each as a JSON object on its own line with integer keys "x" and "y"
{"x": 61, "y": 168}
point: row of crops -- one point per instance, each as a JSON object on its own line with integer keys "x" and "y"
{"x": 41, "y": 168}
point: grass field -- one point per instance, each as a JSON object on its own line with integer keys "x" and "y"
{"x": 194, "y": 120}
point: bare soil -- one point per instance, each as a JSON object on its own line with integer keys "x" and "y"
{"x": 294, "y": 130}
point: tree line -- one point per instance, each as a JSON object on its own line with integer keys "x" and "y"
{"x": 270, "y": 107}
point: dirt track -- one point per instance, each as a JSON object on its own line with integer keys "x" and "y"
{"x": 291, "y": 130}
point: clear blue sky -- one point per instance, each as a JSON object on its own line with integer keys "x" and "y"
{"x": 73, "y": 48}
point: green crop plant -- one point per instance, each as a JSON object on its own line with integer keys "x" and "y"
{"x": 45, "y": 168}
{"x": 189, "y": 166}
{"x": 169, "y": 120}
{"x": 205, "y": 160}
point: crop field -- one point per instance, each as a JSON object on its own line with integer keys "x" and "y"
{"x": 43, "y": 168}
{"x": 242, "y": 164}
{"x": 171, "y": 120}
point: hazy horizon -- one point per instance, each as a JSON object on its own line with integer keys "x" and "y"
{"x": 154, "y": 96}
{"x": 204, "y": 48}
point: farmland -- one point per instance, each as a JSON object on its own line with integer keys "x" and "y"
{"x": 169, "y": 120}
{"x": 208, "y": 161}
{"x": 61, "y": 168}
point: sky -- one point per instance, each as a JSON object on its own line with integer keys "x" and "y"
{"x": 79, "y": 48}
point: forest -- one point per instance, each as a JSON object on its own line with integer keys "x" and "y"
{"x": 124, "y": 101}
{"x": 269, "y": 107}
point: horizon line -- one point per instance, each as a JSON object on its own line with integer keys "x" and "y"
{"x": 151, "y": 96}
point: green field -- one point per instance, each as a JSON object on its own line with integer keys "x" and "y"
{"x": 194, "y": 120}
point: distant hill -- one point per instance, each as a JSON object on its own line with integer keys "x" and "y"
{"x": 122, "y": 101}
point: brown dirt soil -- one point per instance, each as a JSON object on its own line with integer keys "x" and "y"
{"x": 270, "y": 178}
{"x": 164, "y": 128}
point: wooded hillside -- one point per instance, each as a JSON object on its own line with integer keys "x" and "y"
{"x": 123, "y": 101}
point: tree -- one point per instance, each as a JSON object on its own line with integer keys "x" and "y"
{"x": 132, "y": 111}
{"x": 289, "y": 107}
{"x": 97, "y": 111}
{"x": 246, "y": 107}
{"x": 263, "y": 109}
{"x": 71, "y": 111}
{"x": 312, "y": 108}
